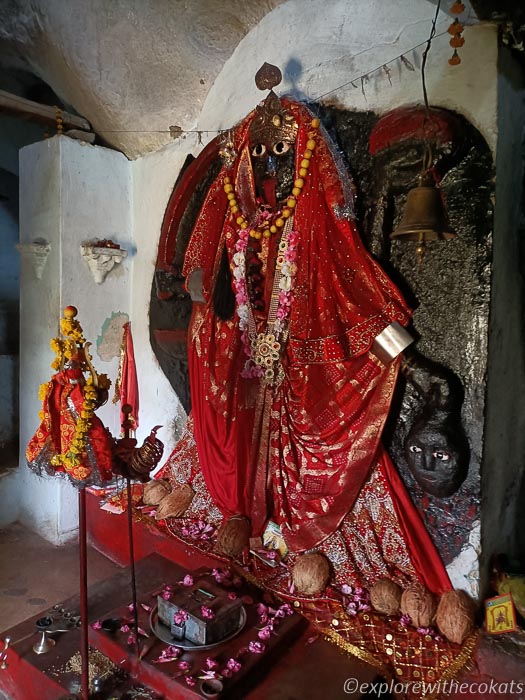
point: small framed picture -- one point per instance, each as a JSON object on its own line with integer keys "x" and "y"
{"x": 273, "y": 539}
{"x": 500, "y": 615}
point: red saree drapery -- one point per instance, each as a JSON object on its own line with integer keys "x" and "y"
{"x": 299, "y": 452}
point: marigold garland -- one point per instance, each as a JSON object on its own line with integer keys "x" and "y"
{"x": 456, "y": 30}
{"x": 43, "y": 391}
{"x": 74, "y": 345}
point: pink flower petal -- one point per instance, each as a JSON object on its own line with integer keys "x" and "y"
{"x": 405, "y": 620}
{"x": 207, "y": 613}
{"x": 180, "y": 617}
{"x": 171, "y": 653}
{"x": 233, "y": 665}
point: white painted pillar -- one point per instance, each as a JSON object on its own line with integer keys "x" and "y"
{"x": 70, "y": 192}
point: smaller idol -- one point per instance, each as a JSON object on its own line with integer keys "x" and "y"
{"x": 71, "y": 439}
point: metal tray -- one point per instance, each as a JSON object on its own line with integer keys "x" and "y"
{"x": 163, "y": 633}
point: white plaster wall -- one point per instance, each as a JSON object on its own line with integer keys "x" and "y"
{"x": 39, "y": 304}
{"x": 69, "y": 192}
{"x": 72, "y": 192}
{"x": 320, "y": 46}
{"x": 153, "y": 178}
{"x": 96, "y": 202}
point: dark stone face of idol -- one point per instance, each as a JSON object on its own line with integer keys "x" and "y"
{"x": 273, "y": 161}
{"x": 437, "y": 454}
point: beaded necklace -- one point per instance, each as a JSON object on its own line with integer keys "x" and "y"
{"x": 263, "y": 349}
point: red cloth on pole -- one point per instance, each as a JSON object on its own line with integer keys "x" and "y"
{"x": 129, "y": 390}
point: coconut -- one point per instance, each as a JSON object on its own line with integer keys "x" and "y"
{"x": 234, "y": 536}
{"x": 176, "y": 503}
{"x": 310, "y": 573}
{"x": 420, "y": 604}
{"x": 455, "y": 616}
{"x": 385, "y": 596}
{"x": 155, "y": 490}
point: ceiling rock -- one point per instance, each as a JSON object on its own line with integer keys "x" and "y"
{"x": 133, "y": 68}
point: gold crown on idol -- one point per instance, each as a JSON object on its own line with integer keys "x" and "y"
{"x": 271, "y": 122}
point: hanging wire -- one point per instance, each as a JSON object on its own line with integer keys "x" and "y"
{"x": 428, "y": 157}
{"x": 382, "y": 66}
{"x": 355, "y": 82}
{"x": 425, "y": 55}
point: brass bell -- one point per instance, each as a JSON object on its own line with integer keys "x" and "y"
{"x": 425, "y": 217}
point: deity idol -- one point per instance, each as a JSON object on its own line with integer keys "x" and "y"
{"x": 294, "y": 351}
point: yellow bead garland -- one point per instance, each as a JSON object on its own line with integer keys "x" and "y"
{"x": 268, "y": 229}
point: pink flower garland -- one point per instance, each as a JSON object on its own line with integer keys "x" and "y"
{"x": 287, "y": 272}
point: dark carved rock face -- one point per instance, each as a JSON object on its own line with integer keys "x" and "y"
{"x": 437, "y": 454}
